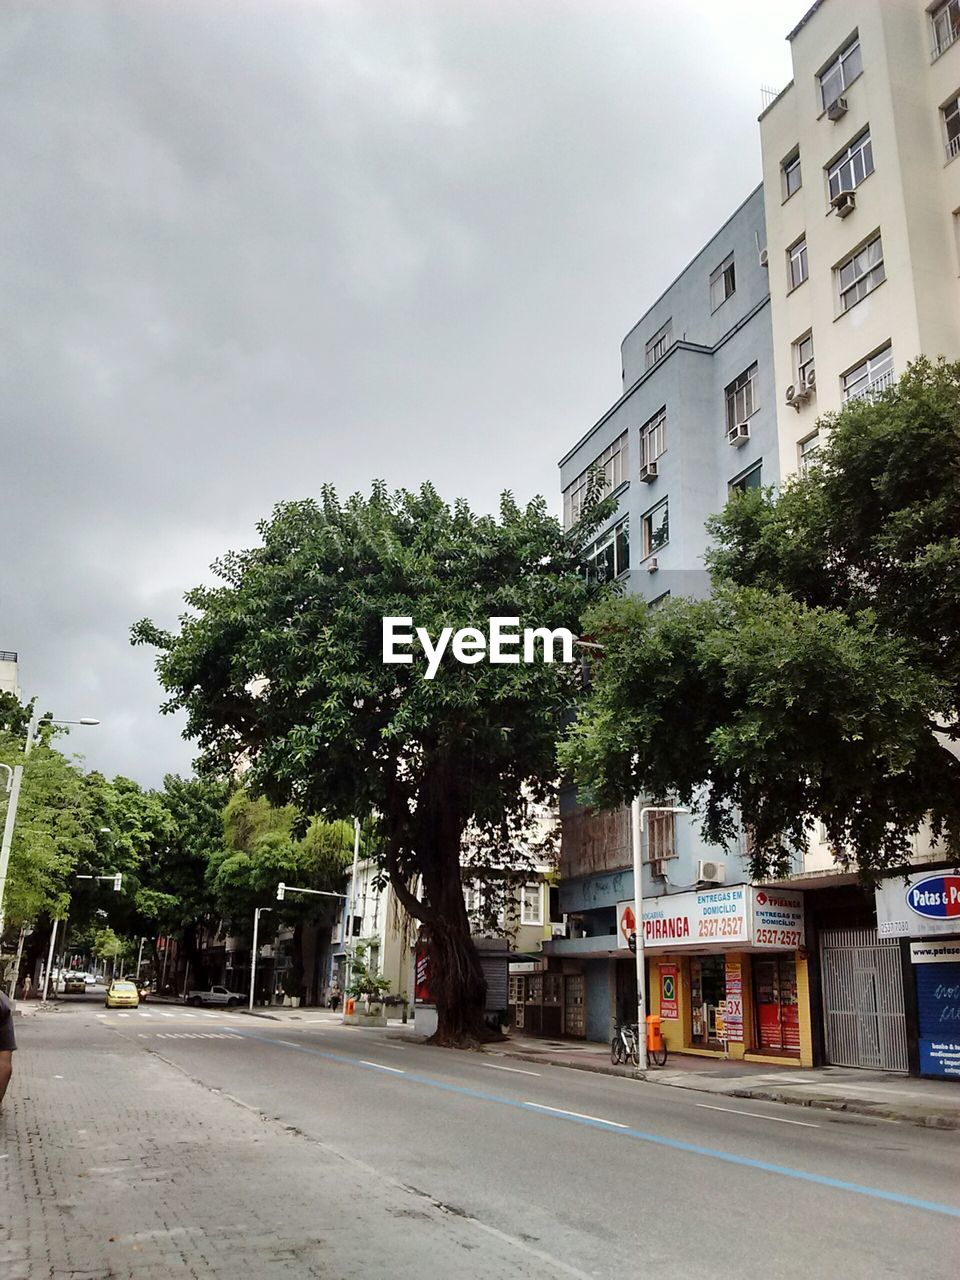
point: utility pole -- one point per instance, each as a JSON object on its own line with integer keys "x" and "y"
{"x": 350, "y": 907}
{"x": 254, "y": 951}
{"x": 53, "y": 939}
{"x": 638, "y": 821}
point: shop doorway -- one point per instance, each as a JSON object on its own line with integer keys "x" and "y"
{"x": 574, "y": 1012}
{"x": 775, "y": 1002}
{"x": 863, "y": 1015}
{"x": 708, "y": 994}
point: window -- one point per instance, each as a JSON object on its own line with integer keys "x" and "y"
{"x": 851, "y": 166}
{"x": 656, "y": 528}
{"x": 840, "y": 73}
{"x": 870, "y": 377}
{"x": 531, "y": 905}
{"x": 797, "y": 269}
{"x": 803, "y": 358}
{"x": 741, "y": 397}
{"x": 860, "y": 274}
{"x": 614, "y": 462}
{"x": 946, "y": 25}
{"x": 661, "y": 836}
{"x": 951, "y": 125}
{"x": 723, "y": 282}
{"x": 610, "y": 554}
{"x": 653, "y": 437}
{"x": 749, "y": 480}
{"x": 806, "y": 450}
{"x": 657, "y": 346}
{"x": 790, "y": 170}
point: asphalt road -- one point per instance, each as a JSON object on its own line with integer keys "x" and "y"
{"x": 485, "y": 1166}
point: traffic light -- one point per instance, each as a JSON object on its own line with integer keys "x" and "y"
{"x": 281, "y": 890}
{"x": 632, "y": 942}
{"x": 117, "y": 881}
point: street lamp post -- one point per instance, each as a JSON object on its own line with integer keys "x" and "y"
{"x": 253, "y": 953}
{"x": 284, "y": 889}
{"x": 638, "y": 823}
{"x": 116, "y": 877}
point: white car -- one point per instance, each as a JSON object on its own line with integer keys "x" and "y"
{"x": 216, "y": 995}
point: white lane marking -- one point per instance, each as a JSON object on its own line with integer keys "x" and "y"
{"x": 208, "y": 1014}
{"x": 123, "y": 1015}
{"x": 165, "y": 1014}
{"x": 58, "y": 1077}
{"x": 379, "y": 1065}
{"x": 291, "y": 1043}
{"x": 189, "y": 1015}
{"x": 560, "y": 1111}
{"x": 758, "y": 1115}
{"x": 518, "y": 1071}
{"x": 143, "y": 1013}
{"x": 142, "y": 1035}
{"x": 316, "y": 1019}
{"x": 101, "y": 1015}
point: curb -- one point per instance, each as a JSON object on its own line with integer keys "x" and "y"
{"x": 946, "y": 1121}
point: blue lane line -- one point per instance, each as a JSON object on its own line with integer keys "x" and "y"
{"x": 674, "y": 1144}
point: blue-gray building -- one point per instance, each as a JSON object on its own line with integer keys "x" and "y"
{"x": 696, "y": 420}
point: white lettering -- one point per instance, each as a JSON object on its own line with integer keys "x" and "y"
{"x": 391, "y": 638}
{"x": 548, "y": 639}
{"x": 499, "y": 638}
{"x": 469, "y": 645}
{"x": 433, "y": 654}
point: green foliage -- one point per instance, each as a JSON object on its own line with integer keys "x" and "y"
{"x": 365, "y": 982}
{"x": 281, "y": 666}
{"x": 823, "y": 678}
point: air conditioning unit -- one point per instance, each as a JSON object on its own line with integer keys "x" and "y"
{"x": 738, "y": 434}
{"x": 559, "y": 930}
{"x": 844, "y": 203}
{"x": 652, "y": 565}
{"x": 648, "y": 472}
{"x": 711, "y": 872}
{"x": 810, "y": 378}
{"x": 796, "y": 395}
{"x": 764, "y": 257}
{"x": 837, "y": 109}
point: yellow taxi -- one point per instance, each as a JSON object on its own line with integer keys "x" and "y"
{"x": 122, "y": 995}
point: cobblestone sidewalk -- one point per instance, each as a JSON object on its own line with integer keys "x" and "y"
{"x": 115, "y": 1164}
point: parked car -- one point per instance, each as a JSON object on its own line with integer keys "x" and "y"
{"x": 74, "y": 984}
{"x": 122, "y": 995}
{"x": 216, "y": 995}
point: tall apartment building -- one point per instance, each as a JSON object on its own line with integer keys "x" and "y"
{"x": 862, "y": 192}
{"x": 695, "y": 423}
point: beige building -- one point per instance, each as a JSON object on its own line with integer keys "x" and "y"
{"x": 861, "y": 177}
{"x": 9, "y": 682}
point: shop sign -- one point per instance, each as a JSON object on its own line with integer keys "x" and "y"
{"x": 421, "y": 985}
{"x": 919, "y": 906}
{"x": 935, "y": 952}
{"x": 524, "y": 966}
{"x": 733, "y": 1005}
{"x": 937, "y": 978}
{"x": 626, "y": 924}
{"x": 777, "y": 919}
{"x": 668, "y": 991}
{"x": 691, "y": 919}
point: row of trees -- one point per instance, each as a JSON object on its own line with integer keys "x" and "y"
{"x": 195, "y": 855}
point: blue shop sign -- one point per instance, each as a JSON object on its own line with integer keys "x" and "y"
{"x": 936, "y": 967}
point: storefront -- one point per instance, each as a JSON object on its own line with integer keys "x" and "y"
{"x": 728, "y": 972}
{"x": 925, "y": 909}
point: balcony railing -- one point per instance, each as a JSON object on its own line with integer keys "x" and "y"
{"x": 945, "y": 36}
{"x": 872, "y": 389}
{"x": 953, "y": 147}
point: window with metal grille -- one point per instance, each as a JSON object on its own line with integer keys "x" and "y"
{"x": 806, "y": 451}
{"x": 614, "y": 463}
{"x": 860, "y": 274}
{"x": 741, "y": 397}
{"x": 723, "y": 282}
{"x": 841, "y": 72}
{"x": 653, "y": 437}
{"x": 851, "y": 166}
{"x": 951, "y": 126}
{"x": 661, "y": 836}
{"x": 797, "y": 269}
{"x": 946, "y": 25}
{"x": 657, "y": 346}
{"x": 870, "y": 377}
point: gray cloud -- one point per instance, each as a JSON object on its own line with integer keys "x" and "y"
{"x": 250, "y": 248}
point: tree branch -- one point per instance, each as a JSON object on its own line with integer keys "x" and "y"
{"x": 411, "y": 903}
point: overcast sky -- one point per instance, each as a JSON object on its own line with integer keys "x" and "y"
{"x": 247, "y": 248}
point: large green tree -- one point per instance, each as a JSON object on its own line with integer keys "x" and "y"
{"x": 280, "y": 665}
{"x": 823, "y": 677}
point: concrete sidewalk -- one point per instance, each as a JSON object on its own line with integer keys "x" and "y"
{"x": 882, "y": 1094}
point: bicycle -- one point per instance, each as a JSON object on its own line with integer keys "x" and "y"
{"x": 625, "y": 1045}
{"x": 658, "y": 1056}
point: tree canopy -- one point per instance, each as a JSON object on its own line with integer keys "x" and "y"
{"x": 281, "y": 665}
{"x": 822, "y": 678}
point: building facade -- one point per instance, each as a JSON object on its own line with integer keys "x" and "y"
{"x": 696, "y": 422}
{"x": 862, "y": 193}
{"x": 9, "y": 673}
